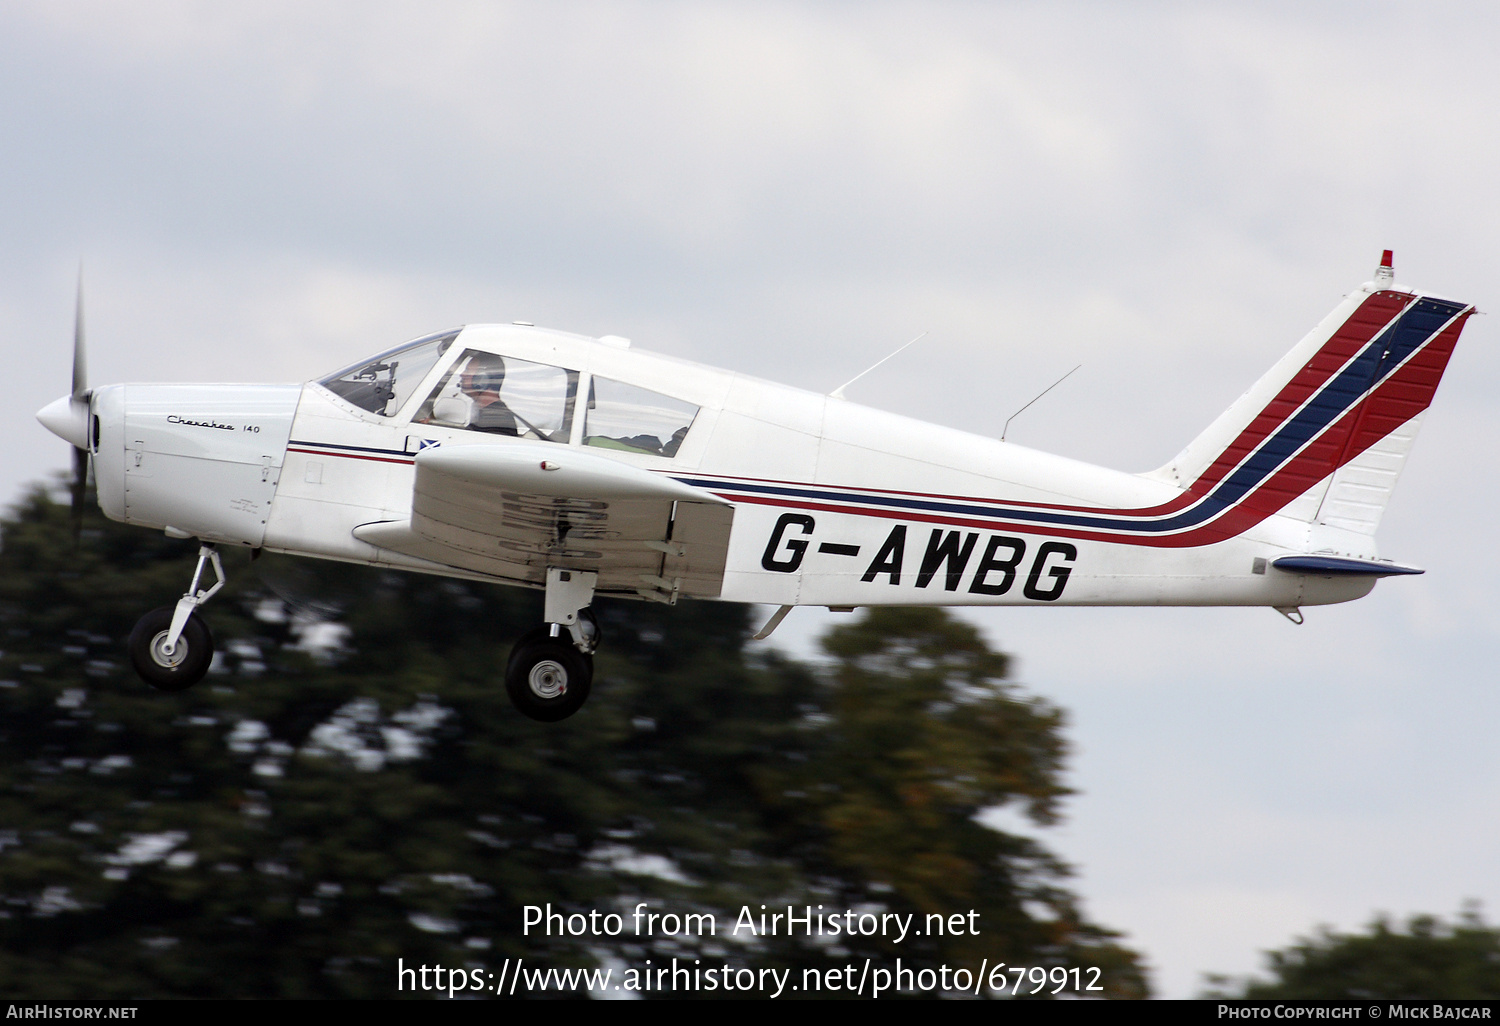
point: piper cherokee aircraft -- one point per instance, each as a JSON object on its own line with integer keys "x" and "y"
{"x": 584, "y": 467}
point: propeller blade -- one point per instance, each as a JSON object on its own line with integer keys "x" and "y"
{"x": 78, "y": 404}
{"x": 80, "y": 366}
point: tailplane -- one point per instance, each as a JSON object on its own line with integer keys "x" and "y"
{"x": 1323, "y": 436}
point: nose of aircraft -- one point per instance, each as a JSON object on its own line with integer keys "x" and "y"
{"x": 68, "y": 419}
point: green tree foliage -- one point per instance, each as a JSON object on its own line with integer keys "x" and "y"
{"x": 350, "y": 786}
{"x": 919, "y": 735}
{"x": 1431, "y": 959}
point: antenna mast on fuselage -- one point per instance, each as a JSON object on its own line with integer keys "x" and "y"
{"x": 838, "y": 393}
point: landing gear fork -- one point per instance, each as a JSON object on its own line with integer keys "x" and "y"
{"x": 569, "y": 593}
{"x": 194, "y": 597}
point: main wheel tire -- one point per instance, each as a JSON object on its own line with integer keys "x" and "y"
{"x": 547, "y": 678}
{"x": 189, "y": 659}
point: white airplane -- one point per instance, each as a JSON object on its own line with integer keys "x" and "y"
{"x": 582, "y": 466}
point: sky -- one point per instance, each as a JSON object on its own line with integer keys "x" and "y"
{"x": 1170, "y": 194}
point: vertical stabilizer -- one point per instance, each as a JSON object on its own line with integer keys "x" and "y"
{"x": 1323, "y": 436}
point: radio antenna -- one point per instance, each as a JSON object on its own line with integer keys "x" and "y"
{"x": 1013, "y": 416}
{"x": 838, "y": 393}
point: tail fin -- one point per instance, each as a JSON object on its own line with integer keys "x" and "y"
{"x": 1323, "y": 435}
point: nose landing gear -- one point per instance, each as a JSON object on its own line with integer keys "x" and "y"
{"x": 548, "y": 675}
{"x": 171, "y": 647}
{"x": 174, "y": 667}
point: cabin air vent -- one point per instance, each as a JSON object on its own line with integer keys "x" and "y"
{"x": 616, "y": 341}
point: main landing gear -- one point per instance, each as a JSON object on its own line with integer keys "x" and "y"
{"x": 171, "y": 647}
{"x": 550, "y": 669}
{"x": 547, "y": 676}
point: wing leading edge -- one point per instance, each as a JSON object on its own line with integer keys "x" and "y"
{"x": 511, "y": 511}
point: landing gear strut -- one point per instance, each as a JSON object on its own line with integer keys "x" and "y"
{"x": 171, "y": 647}
{"x": 550, "y": 671}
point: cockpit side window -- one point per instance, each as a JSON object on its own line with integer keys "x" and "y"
{"x": 383, "y": 385}
{"x": 503, "y": 395}
{"x": 634, "y": 419}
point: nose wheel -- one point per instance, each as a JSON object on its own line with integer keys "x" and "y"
{"x": 171, "y": 647}
{"x": 170, "y": 667}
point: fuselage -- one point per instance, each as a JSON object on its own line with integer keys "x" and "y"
{"x": 834, "y": 503}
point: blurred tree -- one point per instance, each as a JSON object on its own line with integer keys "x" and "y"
{"x": 918, "y": 737}
{"x": 1431, "y": 959}
{"x": 350, "y": 786}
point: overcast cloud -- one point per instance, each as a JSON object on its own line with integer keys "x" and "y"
{"x": 1169, "y": 194}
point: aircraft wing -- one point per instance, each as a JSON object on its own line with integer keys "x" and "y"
{"x": 513, "y": 510}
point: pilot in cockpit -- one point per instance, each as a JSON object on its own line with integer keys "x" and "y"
{"x": 480, "y": 383}
{"x": 487, "y": 392}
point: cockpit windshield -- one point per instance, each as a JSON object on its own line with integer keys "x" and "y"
{"x": 383, "y": 385}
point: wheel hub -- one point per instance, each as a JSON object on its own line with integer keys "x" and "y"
{"x": 164, "y": 656}
{"x": 548, "y": 679}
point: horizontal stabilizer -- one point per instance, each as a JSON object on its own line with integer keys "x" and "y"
{"x": 1339, "y": 566}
